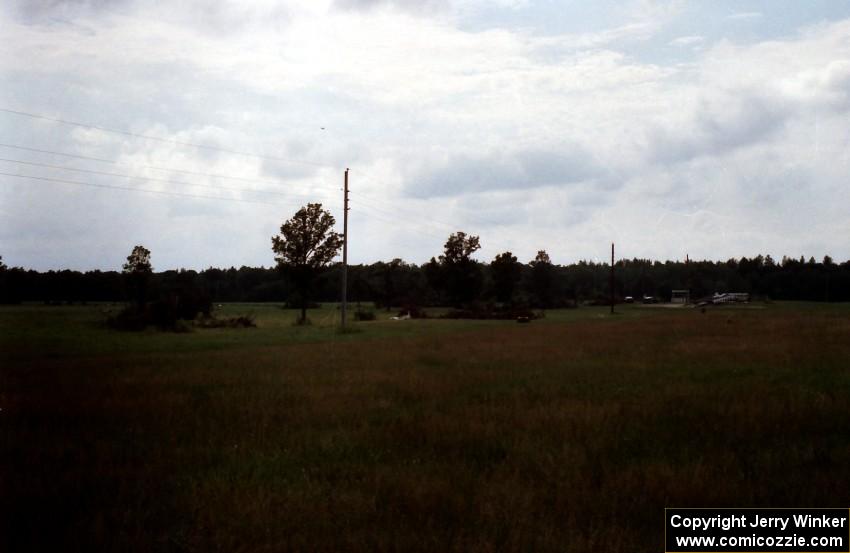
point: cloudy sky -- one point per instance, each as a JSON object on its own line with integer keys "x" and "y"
{"x": 713, "y": 129}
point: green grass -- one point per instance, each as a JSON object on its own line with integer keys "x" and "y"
{"x": 570, "y": 433}
{"x": 68, "y": 331}
{"x": 38, "y": 331}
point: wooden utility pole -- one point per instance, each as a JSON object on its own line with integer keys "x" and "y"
{"x": 344, "y": 249}
{"x": 612, "y": 278}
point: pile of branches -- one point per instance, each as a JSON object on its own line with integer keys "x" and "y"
{"x": 171, "y": 312}
{"x": 492, "y": 312}
{"x": 175, "y": 313}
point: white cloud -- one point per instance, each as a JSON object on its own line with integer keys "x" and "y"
{"x": 687, "y": 40}
{"x": 563, "y": 142}
{"x": 745, "y": 15}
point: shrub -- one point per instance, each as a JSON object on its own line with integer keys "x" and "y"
{"x": 130, "y": 318}
{"x": 294, "y": 302}
{"x": 364, "y": 315}
{"x": 489, "y": 312}
{"x": 242, "y": 321}
{"x": 167, "y": 313}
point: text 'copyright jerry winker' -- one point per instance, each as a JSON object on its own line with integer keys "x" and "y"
{"x": 757, "y": 530}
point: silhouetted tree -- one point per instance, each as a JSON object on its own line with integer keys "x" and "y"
{"x": 139, "y": 261}
{"x": 542, "y": 278}
{"x": 410, "y": 285}
{"x": 137, "y": 271}
{"x": 461, "y": 275}
{"x": 6, "y": 293}
{"x": 306, "y": 245}
{"x": 506, "y": 272}
{"x": 435, "y": 277}
{"x": 390, "y": 275}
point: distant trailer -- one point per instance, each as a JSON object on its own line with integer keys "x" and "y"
{"x": 680, "y": 296}
{"x": 731, "y": 297}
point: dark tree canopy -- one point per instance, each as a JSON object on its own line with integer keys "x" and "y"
{"x": 541, "y": 257}
{"x": 137, "y": 273}
{"x": 139, "y": 261}
{"x": 307, "y": 240}
{"x": 506, "y": 272}
{"x": 543, "y": 279}
{"x": 392, "y": 287}
{"x": 459, "y": 248}
{"x": 786, "y": 278}
{"x": 457, "y": 274}
{"x": 305, "y": 245}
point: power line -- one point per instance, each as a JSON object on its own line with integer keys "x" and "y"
{"x": 132, "y": 189}
{"x": 408, "y": 212}
{"x": 396, "y": 237}
{"x": 379, "y": 214}
{"x": 431, "y": 224}
{"x": 118, "y": 163}
{"x": 410, "y": 227}
{"x": 406, "y": 226}
{"x": 105, "y": 173}
{"x": 56, "y": 153}
{"x": 469, "y": 217}
{"x": 430, "y": 220}
{"x": 165, "y": 140}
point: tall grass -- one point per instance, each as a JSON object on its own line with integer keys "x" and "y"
{"x": 571, "y": 435}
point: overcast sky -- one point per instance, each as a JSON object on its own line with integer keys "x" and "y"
{"x": 715, "y": 129}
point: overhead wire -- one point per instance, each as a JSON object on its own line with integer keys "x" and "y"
{"x": 135, "y": 189}
{"x": 395, "y": 206}
{"x": 405, "y": 230}
{"x": 426, "y": 228}
{"x": 375, "y": 210}
{"x": 407, "y": 226}
{"x": 163, "y": 140}
{"x": 411, "y": 227}
{"x": 434, "y": 225}
{"x": 401, "y": 241}
{"x": 76, "y": 156}
{"x": 429, "y": 223}
{"x": 418, "y": 215}
{"x": 431, "y": 220}
{"x": 144, "y": 166}
{"x": 108, "y": 174}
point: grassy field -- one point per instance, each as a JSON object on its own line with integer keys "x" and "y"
{"x": 568, "y": 434}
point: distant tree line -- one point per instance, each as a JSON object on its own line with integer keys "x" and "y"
{"x": 453, "y": 278}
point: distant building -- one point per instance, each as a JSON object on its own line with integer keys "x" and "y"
{"x": 680, "y": 296}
